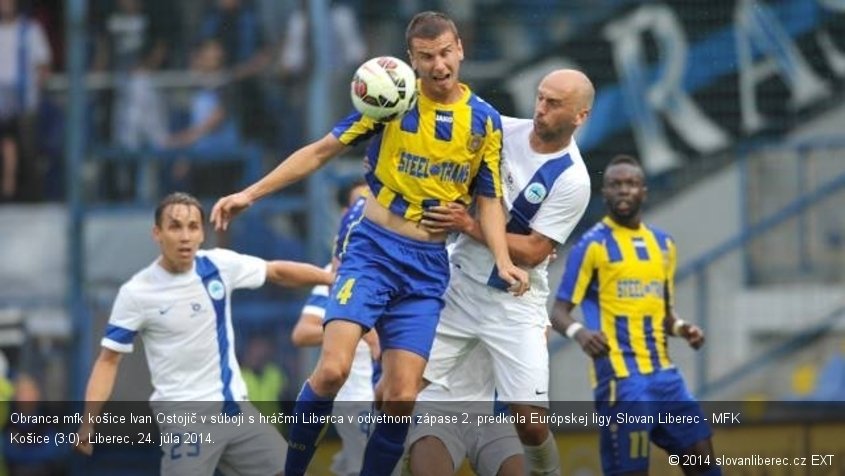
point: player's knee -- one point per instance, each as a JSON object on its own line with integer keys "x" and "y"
{"x": 424, "y": 447}
{"x": 533, "y": 434}
{"x": 398, "y": 401}
{"x": 531, "y": 431}
{"x": 329, "y": 377}
{"x": 399, "y": 395}
{"x": 429, "y": 456}
{"x": 514, "y": 465}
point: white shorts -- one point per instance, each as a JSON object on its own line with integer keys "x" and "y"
{"x": 235, "y": 449}
{"x": 512, "y": 329}
{"x": 486, "y": 446}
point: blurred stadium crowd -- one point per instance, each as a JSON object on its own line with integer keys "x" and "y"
{"x": 219, "y": 74}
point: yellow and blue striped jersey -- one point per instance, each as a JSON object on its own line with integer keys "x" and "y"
{"x": 623, "y": 280}
{"x": 435, "y": 153}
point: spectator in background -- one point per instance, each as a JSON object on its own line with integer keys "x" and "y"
{"x": 234, "y": 24}
{"x": 140, "y": 113}
{"x": 273, "y": 16}
{"x": 124, "y": 34}
{"x": 131, "y": 44}
{"x": 127, "y": 46}
{"x": 236, "y": 27}
{"x": 24, "y": 64}
{"x": 347, "y": 48}
{"x": 212, "y": 128}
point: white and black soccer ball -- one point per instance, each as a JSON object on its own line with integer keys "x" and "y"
{"x": 384, "y": 88}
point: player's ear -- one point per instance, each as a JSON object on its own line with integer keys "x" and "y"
{"x": 156, "y": 233}
{"x": 581, "y": 118}
{"x": 460, "y": 50}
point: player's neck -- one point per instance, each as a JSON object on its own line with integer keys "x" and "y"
{"x": 542, "y": 145}
{"x": 451, "y": 97}
{"x": 174, "y": 267}
{"x": 632, "y": 222}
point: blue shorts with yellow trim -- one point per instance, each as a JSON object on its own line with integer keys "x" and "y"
{"x": 393, "y": 283}
{"x": 642, "y": 408}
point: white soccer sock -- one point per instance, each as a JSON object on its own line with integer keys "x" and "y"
{"x": 543, "y": 460}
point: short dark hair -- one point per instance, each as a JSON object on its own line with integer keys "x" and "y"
{"x": 429, "y": 25}
{"x": 624, "y": 159}
{"x": 178, "y": 198}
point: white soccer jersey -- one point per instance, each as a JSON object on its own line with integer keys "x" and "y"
{"x": 547, "y": 193}
{"x": 359, "y": 385}
{"x": 185, "y": 322}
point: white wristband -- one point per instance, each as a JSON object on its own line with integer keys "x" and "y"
{"x": 676, "y": 327}
{"x": 573, "y": 329}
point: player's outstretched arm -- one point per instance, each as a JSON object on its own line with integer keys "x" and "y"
{"x": 100, "y": 386}
{"x": 492, "y": 218}
{"x": 592, "y": 343}
{"x": 294, "y": 273}
{"x": 297, "y": 166}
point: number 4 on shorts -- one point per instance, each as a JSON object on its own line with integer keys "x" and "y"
{"x": 345, "y": 291}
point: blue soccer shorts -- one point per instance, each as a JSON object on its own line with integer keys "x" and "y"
{"x": 654, "y": 408}
{"x": 393, "y": 283}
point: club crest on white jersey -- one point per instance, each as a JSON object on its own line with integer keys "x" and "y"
{"x": 535, "y": 193}
{"x": 216, "y": 289}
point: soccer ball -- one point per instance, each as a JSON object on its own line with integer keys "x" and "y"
{"x": 384, "y": 88}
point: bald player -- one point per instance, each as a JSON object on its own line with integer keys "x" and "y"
{"x": 546, "y": 189}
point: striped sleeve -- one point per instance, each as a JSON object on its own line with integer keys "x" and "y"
{"x": 356, "y": 128}
{"x": 670, "y": 260}
{"x": 124, "y": 323}
{"x": 317, "y": 301}
{"x": 578, "y": 272}
{"x": 487, "y": 126}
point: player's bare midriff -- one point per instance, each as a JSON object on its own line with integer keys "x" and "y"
{"x": 375, "y": 212}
